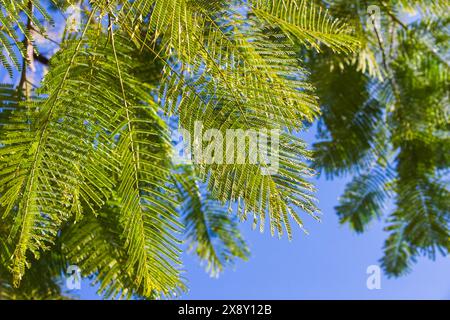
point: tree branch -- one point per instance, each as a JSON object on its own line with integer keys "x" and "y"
{"x": 23, "y": 83}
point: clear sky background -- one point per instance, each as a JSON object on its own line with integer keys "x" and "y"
{"x": 329, "y": 263}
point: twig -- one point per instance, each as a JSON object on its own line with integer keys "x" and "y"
{"x": 23, "y": 83}
{"x": 393, "y": 16}
{"x": 390, "y": 77}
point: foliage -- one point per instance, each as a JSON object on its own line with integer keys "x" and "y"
{"x": 86, "y": 168}
{"x": 385, "y": 120}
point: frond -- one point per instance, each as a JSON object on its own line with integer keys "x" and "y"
{"x": 13, "y": 21}
{"x": 351, "y": 131}
{"x": 45, "y": 143}
{"x": 61, "y": 151}
{"x": 398, "y": 253}
{"x": 419, "y": 226}
{"x": 210, "y": 231}
{"x": 425, "y": 206}
{"x": 364, "y": 198}
{"x": 307, "y": 23}
{"x": 42, "y": 281}
{"x": 148, "y": 205}
{"x": 97, "y": 246}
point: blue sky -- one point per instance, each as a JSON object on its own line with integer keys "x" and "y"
{"x": 329, "y": 263}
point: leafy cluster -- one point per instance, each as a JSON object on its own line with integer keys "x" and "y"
{"x": 86, "y": 172}
{"x": 385, "y": 120}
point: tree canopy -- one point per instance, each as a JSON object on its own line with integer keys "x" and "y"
{"x": 88, "y": 170}
{"x": 385, "y": 121}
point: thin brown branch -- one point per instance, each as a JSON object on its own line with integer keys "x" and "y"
{"x": 23, "y": 87}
